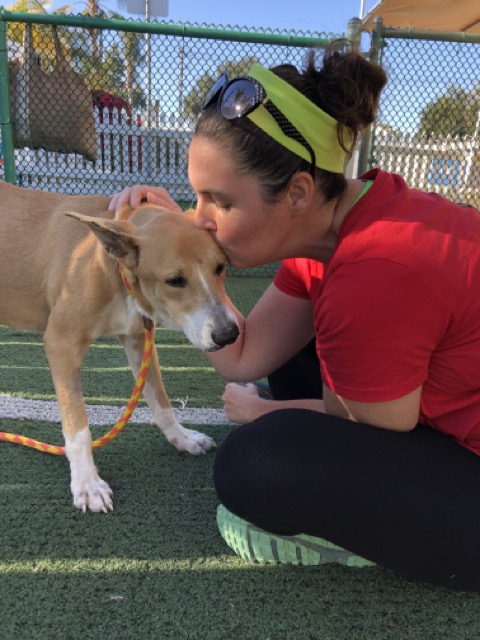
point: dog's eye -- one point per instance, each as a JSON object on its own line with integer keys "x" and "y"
{"x": 178, "y": 282}
{"x": 220, "y": 269}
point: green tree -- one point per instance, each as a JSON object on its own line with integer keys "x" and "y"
{"x": 193, "y": 100}
{"x": 454, "y": 114}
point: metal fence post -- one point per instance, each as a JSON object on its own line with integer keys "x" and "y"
{"x": 6, "y": 119}
{"x": 354, "y": 35}
{"x": 355, "y": 31}
{"x": 365, "y": 159}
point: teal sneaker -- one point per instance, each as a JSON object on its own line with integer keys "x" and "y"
{"x": 256, "y": 545}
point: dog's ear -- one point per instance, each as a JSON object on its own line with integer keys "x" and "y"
{"x": 117, "y": 236}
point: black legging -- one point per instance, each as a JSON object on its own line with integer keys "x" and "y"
{"x": 407, "y": 501}
{"x": 299, "y": 377}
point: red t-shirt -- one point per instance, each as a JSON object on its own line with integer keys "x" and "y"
{"x": 398, "y": 304}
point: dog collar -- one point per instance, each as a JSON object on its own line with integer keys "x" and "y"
{"x": 147, "y": 322}
{"x": 125, "y": 281}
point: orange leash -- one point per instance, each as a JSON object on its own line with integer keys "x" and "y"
{"x": 127, "y": 412}
{"x": 122, "y": 422}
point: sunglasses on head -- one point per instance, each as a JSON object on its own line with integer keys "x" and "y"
{"x": 235, "y": 98}
{"x": 238, "y": 97}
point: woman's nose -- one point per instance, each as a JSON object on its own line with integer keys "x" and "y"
{"x": 202, "y": 220}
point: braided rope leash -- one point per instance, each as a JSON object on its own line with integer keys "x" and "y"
{"x": 148, "y": 347}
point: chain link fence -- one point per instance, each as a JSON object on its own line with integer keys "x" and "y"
{"x": 100, "y": 108}
{"x": 144, "y": 95}
{"x": 428, "y": 129}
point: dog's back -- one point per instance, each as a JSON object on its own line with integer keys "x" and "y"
{"x": 36, "y": 238}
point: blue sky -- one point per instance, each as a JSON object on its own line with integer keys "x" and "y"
{"x": 311, "y": 15}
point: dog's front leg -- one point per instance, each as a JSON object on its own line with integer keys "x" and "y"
{"x": 188, "y": 440}
{"x": 88, "y": 489}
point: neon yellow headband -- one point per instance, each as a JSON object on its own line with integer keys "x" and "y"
{"x": 316, "y": 126}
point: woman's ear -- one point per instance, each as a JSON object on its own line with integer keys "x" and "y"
{"x": 300, "y": 191}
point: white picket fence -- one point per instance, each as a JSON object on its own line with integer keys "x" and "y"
{"x": 128, "y": 153}
{"x": 449, "y": 166}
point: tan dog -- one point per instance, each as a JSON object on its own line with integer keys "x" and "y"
{"x": 59, "y": 278}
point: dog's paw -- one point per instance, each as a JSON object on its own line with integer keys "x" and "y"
{"x": 190, "y": 441}
{"x": 92, "y": 495}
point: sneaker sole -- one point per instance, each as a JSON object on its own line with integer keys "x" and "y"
{"x": 258, "y": 546}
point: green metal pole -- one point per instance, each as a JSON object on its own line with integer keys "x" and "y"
{"x": 6, "y": 119}
{"x": 88, "y": 22}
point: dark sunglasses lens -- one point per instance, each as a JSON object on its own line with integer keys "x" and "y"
{"x": 214, "y": 91}
{"x": 239, "y": 98}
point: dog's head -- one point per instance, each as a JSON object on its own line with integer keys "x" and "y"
{"x": 177, "y": 272}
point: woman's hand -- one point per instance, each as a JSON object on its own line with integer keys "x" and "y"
{"x": 133, "y": 196}
{"x": 242, "y": 403}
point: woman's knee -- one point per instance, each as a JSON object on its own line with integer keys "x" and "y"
{"x": 238, "y": 461}
{"x": 260, "y": 464}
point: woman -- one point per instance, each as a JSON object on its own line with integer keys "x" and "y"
{"x": 369, "y": 450}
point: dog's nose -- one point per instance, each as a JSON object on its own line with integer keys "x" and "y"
{"x": 225, "y": 336}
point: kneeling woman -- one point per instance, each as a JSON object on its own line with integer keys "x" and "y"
{"x": 368, "y": 451}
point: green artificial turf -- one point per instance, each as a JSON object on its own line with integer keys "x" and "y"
{"x": 156, "y": 567}
{"x": 106, "y": 376}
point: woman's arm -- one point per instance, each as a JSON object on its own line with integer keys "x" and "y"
{"x": 243, "y": 404}
{"x": 400, "y": 414}
{"x": 276, "y": 329}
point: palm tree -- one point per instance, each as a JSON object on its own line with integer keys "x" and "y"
{"x": 93, "y": 8}
{"x": 133, "y": 56}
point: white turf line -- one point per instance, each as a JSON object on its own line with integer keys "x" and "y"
{"x": 47, "y": 410}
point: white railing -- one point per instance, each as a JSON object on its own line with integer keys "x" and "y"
{"x": 128, "y": 153}
{"x": 449, "y": 166}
